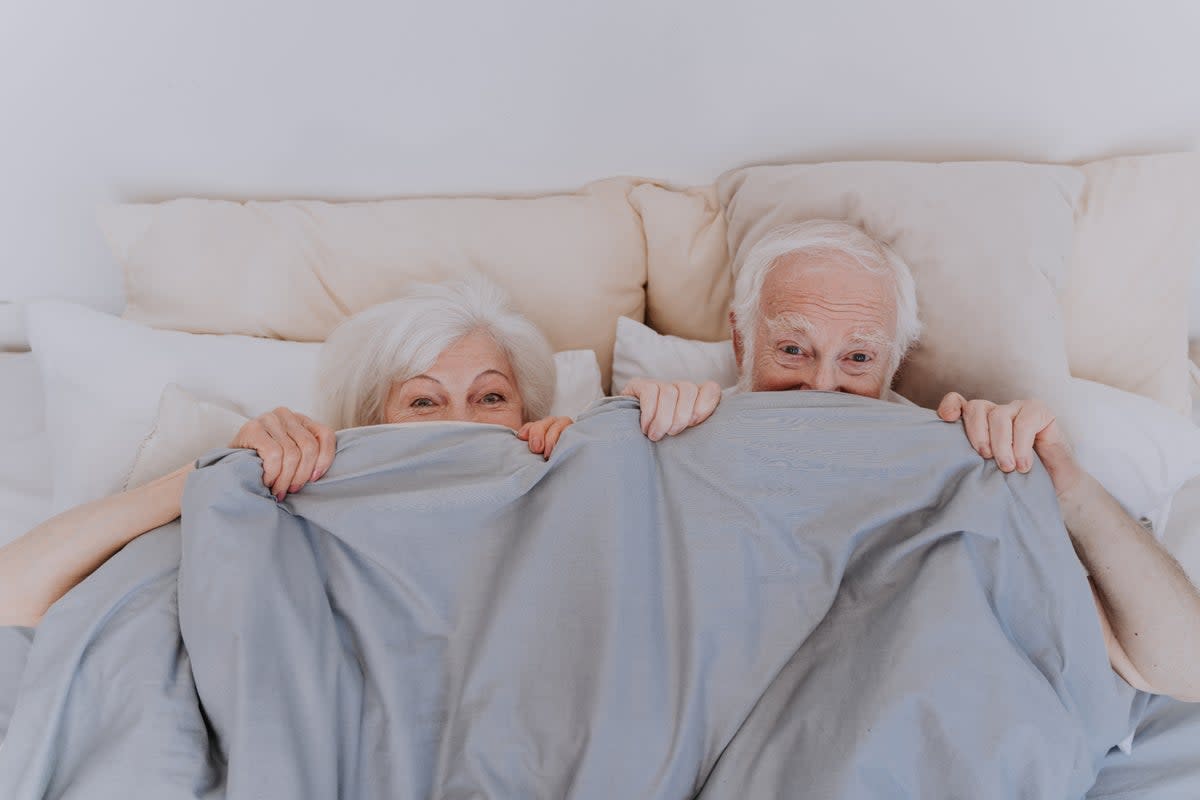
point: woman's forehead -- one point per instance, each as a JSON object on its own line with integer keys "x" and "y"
{"x": 475, "y": 351}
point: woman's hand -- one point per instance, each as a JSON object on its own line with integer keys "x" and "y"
{"x": 294, "y": 449}
{"x": 543, "y": 434}
{"x": 669, "y": 407}
{"x": 1012, "y": 433}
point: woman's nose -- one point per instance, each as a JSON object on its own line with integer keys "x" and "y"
{"x": 460, "y": 412}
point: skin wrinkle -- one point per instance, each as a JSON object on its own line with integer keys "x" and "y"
{"x": 830, "y": 311}
{"x": 797, "y": 323}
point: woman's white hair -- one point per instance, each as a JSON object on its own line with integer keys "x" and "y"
{"x": 402, "y": 338}
{"x": 823, "y": 236}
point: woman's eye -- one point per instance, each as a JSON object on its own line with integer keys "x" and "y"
{"x": 422, "y": 402}
{"x": 791, "y": 349}
{"x": 491, "y": 398}
{"x": 860, "y": 358}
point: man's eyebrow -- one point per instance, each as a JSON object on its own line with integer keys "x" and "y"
{"x": 871, "y": 336}
{"x": 792, "y": 321}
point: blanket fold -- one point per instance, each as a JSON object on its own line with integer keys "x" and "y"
{"x": 809, "y": 594}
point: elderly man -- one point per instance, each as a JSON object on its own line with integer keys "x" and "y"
{"x": 821, "y": 305}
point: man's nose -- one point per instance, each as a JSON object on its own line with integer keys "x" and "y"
{"x": 825, "y": 378}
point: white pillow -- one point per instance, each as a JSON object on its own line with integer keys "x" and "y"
{"x": 577, "y": 382}
{"x": 185, "y": 428}
{"x": 642, "y": 352}
{"x": 25, "y": 466}
{"x": 103, "y": 378}
{"x": 21, "y": 399}
{"x": 1140, "y": 450}
{"x": 12, "y": 327}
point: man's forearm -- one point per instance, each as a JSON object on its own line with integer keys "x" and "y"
{"x": 48, "y": 561}
{"x": 1153, "y": 607}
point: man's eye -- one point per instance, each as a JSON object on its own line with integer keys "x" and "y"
{"x": 422, "y": 402}
{"x": 791, "y": 349}
{"x": 861, "y": 358}
{"x": 491, "y": 398}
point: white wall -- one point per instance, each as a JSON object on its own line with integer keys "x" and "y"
{"x": 144, "y": 99}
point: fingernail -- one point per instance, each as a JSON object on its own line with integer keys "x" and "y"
{"x": 537, "y": 444}
{"x": 1006, "y": 465}
{"x": 295, "y": 487}
{"x": 317, "y": 474}
{"x": 279, "y": 497}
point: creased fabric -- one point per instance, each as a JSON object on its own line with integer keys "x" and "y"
{"x": 810, "y": 594}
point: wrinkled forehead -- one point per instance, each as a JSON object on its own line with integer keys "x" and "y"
{"x": 845, "y": 331}
{"x": 820, "y": 292}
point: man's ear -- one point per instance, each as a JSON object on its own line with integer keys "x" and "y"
{"x": 737, "y": 340}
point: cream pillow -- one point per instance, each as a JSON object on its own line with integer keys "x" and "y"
{"x": 572, "y": 263}
{"x": 1136, "y": 228}
{"x": 688, "y": 282}
{"x": 988, "y": 243}
{"x": 1136, "y": 247}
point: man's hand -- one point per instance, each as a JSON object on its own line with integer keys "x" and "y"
{"x": 543, "y": 434}
{"x": 294, "y": 449}
{"x": 1012, "y": 433}
{"x": 669, "y": 407}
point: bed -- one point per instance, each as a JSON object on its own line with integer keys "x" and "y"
{"x": 646, "y": 290}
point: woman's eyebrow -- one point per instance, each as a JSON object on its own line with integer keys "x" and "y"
{"x": 491, "y": 372}
{"x": 424, "y": 377}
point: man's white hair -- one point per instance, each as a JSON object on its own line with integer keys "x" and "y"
{"x": 817, "y": 237}
{"x": 402, "y": 338}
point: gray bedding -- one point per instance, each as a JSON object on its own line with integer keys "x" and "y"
{"x": 1165, "y": 762}
{"x": 810, "y": 595}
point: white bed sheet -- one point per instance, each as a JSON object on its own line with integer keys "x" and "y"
{"x": 25, "y": 475}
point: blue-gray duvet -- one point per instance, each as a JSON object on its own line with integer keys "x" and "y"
{"x": 809, "y": 595}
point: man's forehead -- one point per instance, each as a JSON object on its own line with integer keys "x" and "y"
{"x": 794, "y": 322}
{"x": 816, "y": 291}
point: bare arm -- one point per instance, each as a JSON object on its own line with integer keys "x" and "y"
{"x": 48, "y": 561}
{"x": 1149, "y": 609}
{"x": 1146, "y": 601}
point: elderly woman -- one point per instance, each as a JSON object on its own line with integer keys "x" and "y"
{"x": 442, "y": 353}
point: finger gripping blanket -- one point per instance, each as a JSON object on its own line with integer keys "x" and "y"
{"x": 810, "y": 594}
